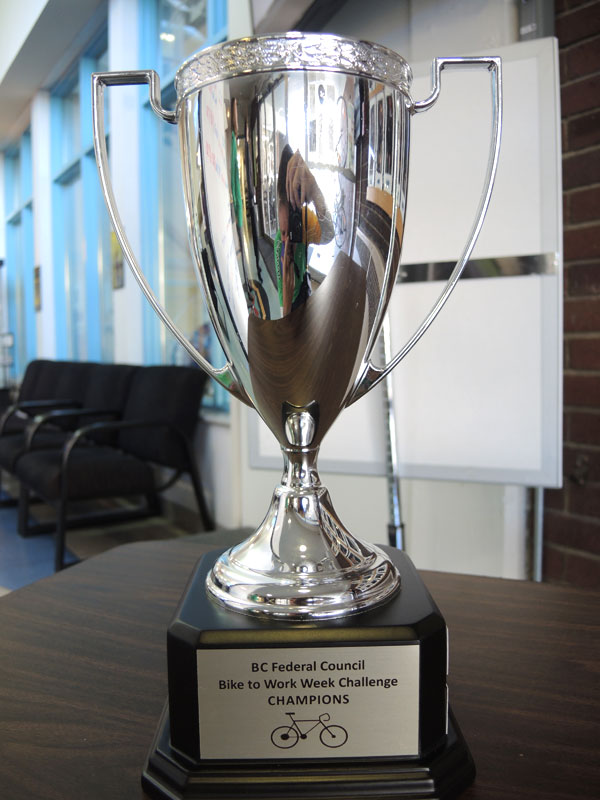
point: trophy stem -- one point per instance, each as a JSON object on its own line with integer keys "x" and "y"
{"x": 302, "y": 563}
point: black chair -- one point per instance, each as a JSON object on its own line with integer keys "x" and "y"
{"x": 105, "y": 390}
{"x": 46, "y": 385}
{"x": 156, "y": 430}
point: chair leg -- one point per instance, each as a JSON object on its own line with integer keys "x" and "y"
{"x": 208, "y": 522}
{"x": 23, "y": 513}
{"x": 153, "y": 503}
{"x": 6, "y": 500}
{"x": 61, "y": 529}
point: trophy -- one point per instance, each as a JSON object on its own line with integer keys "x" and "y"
{"x": 302, "y": 662}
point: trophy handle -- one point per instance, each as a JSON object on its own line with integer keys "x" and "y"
{"x": 225, "y": 375}
{"x": 373, "y": 374}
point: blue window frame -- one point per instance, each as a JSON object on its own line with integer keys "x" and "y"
{"x": 170, "y": 33}
{"x": 81, "y": 243}
{"x": 18, "y": 188}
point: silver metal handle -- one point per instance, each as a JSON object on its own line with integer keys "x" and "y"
{"x": 373, "y": 374}
{"x": 225, "y": 375}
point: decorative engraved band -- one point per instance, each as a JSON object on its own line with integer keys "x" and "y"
{"x": 288, "y": 51}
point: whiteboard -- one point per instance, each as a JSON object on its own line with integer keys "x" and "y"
{"x": 479, "y": 398}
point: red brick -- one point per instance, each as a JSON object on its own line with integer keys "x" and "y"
{"x": 563, "y": 68}
{"x": 553, "y": 567}
{"x": 556, "y": 499}
{"x": 584, "y": 131}
{"x": 581, "y": 169}
{"x": 566, "y": 201}
{"x": 569, "y": 531}
{"x": 581, "y": 463}
{"x": 584, "y": 204}
{"x": 579, "y": 24}
{"x": 582, "y": 59}
{"x": 582, "y": 242}
{"x": 584, "y": 428}
{"x": 583, "y": 278}
{"x": 582, "y": 315}
{"x": 585, "y": 500}
{"x": 584, "y": 353}
{"x": 582, "y": 390}
{"x": 581, "y": 95}
{"x": 582, "y": 571}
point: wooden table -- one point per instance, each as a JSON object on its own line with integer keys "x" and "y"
{"x": 83, "y": 678}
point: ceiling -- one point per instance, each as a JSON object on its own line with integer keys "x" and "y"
{"x": 52, "y": 45}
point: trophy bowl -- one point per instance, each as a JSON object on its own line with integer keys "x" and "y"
{"x": 294, "y": 154}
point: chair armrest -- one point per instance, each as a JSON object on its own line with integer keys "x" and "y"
{"x": 29, "y": 407}
{"x": 59, "y": 414}
{"x": 125, "y": 424}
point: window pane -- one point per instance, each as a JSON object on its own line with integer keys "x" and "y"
{"x": 182, "y": 31}
{"x": 13, "y": 184}
{"x": 105, "y": 286}
{"x": 16, "y": 290}
{"x": 70, "y": 124}
{"x": 74, "y": 269}
{"x": 180, "y": 288}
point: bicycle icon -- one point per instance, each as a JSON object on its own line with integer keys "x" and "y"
{"x": 286, "y": 736}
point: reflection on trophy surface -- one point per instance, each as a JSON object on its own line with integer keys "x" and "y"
{"x": 294, "y": 154}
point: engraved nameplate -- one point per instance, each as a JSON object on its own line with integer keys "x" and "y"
{"x": 309, "y": 702}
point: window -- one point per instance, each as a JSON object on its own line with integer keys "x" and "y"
{"x": 186, "y": 27}
{"x": 19, "y": 253}
{"x": 173, "y": 31}
{"x": 82, "y": 261}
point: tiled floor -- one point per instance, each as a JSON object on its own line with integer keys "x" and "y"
{"x": 23, "y": 560}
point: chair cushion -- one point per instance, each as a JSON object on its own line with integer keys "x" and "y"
{"x": 33, "y": 378}
{"x": 11, "y": 447}
{"x": 49, "y": 380}
{"x": 16, "y": 423}
{"x": 167, "y": 393}
{"x": 94, "y": 472}
{"x": 49, "y": 376}
{"x": 107, "y": 388}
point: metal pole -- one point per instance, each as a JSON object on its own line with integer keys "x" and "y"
{"x": 395, "y": 525}
{"x": 538, "y": 534}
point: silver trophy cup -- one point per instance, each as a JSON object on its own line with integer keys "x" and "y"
{"x": 294, "y": 157}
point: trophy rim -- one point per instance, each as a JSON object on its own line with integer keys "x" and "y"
{"x": 292, "y": 51}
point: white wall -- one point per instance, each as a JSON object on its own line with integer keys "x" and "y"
{"x": 421, "y": 29}
{"x": 3, "y": 311}
{"x": 42, "y": 222}
{"x": 2, "y": 210}
{"x": 125, "y": 159}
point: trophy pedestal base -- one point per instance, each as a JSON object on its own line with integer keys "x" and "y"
{"x": 444, "y": 775}
{"x": 351, "y": 708}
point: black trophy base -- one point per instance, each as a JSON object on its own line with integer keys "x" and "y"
{"x": 442, "y": 776}
{"x": 177, "y": 768}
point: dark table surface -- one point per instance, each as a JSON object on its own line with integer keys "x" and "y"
{"x": 83, "y": 678}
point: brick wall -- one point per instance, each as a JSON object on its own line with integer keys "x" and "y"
{"x": 572, "y": 515}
